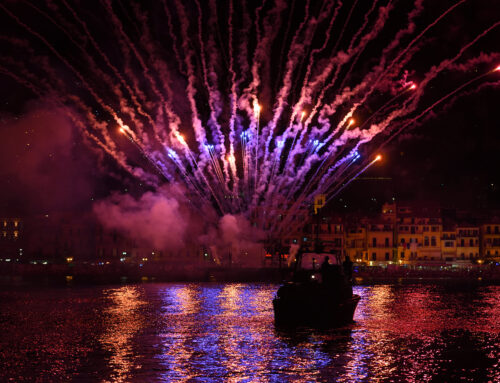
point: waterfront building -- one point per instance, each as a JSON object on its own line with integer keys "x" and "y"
{"x": 11, "y": 238}
{"x": 380, "y": 242}
{"x": 467, "y": 240}
{"x": 418, "y": 234}
{"x": 355, "y": 243}
{"x": 330, "y": 235}
{"x": 409, "y": 238}
{"x": 490, "y": 240}
{"x": 449, "y": 244}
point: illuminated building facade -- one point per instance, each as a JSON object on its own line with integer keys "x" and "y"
{"x": 380, "y": 242}
{"x": 355, "y": 243}
{"x": 468, "y": 246}
{"x": 490, "y": 241}
{"x": 11, "y": 235}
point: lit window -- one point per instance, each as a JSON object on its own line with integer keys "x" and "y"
{"x": 16, "y": 223}
{"x": 16, "y": 234}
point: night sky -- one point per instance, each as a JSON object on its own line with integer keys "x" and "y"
{"x": 449, "y": 156}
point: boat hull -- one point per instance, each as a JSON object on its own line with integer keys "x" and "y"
{"x": 314, "y": 312}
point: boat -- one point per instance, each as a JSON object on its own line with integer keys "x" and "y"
{"x": 316, "y": 297}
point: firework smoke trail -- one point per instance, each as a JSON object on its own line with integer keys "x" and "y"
{"x": 306, "y": 92}
{"x": 233, "y": 101}
{"x": 297, "y": 110}
{"x": 191, "y": 105}
{"x": 212, "y": 97}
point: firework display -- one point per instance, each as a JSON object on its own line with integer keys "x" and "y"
{"x": 248, "y": 118}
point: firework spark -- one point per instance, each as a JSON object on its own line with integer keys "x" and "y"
{"x": 307, "y": 114}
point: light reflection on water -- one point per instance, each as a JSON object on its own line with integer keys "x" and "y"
{"x": 122, "y": 321}
{"x": 225, "y": 332}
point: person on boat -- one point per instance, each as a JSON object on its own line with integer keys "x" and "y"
{"x": 326, "y": 263}
{"x": 325, "y": 269}
{"x": 347, "y": 266}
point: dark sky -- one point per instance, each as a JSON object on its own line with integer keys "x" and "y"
{"x": 450, "y": 156}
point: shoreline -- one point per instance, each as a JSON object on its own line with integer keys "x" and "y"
{"x": 64, "y": 275}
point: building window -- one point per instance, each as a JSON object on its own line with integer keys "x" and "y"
{"x": 387, "y": 242}
{"x": 426, "y": 241}
{"x": 402, "y": 255}
{"x": 374, "y": 242}
{"x": 433, "y": 241}
{"x": 374, "y": 256}
{"x": 386, "y": 256}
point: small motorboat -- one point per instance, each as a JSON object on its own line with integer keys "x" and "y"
{"x": 317, "y": 298}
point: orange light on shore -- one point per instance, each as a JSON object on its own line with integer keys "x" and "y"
{"x": 122, "y": 130}
{"x": 413, "y": 86}
{"x": 352, "y": 121}
{"x": 497, "y": 69}
{"x": 378, "y": 158}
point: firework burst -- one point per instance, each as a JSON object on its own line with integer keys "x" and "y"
{"x": 253, "y": 109}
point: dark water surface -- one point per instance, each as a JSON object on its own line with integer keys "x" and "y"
{"x": 225, "y": 333}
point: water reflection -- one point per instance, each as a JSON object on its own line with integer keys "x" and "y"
{"x": 226, "y": 333}
{"x": 122, "y": 321}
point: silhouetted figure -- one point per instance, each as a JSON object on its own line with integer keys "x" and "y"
{"x": 347, "y": 265}
{"x": 325, "y": 269}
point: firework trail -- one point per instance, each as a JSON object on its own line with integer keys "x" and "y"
{"x": 253, "y": 109}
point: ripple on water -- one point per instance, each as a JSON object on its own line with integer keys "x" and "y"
{"x": 225, "y": 332}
